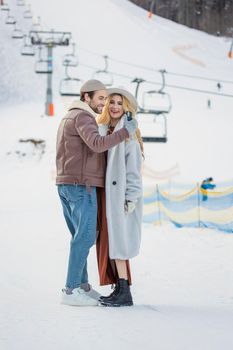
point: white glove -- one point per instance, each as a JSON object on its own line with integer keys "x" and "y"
{"x": 129, "y": 206}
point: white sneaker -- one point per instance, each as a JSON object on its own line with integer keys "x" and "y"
{"x": 92, "y": 293}
{"x": 78, "y": 298}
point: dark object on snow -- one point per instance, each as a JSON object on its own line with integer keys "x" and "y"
{"x": 219, "y": 86}
{"x": 33, "y": 141}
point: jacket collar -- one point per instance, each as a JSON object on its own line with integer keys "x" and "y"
{"x": 103, "y": 128}
{"x": 82, "y": 105}
{"x": 120, "y": 124}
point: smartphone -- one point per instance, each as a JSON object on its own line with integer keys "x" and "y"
{"x": 129, "y": 115}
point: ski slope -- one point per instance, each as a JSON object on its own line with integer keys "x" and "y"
{"x": 182, "y": 280}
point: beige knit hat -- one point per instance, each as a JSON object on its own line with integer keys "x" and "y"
{"x": 92, "y": 85}
{"x": 132, "y": 100}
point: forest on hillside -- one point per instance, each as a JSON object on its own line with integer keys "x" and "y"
{"x": 212, "y": 16}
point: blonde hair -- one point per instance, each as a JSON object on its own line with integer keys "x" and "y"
{"x": 104, "y": 117}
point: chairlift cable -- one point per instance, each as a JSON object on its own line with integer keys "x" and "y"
{"x": 158, "y": 70}
{"x": 89, "y": 51}
{"x": 201, "y": 78}
{"x": 167, "y": 85}
{"x": 176, "y": 86}
{"x": 194, "y": 90}
{"x": 172, "y": 73}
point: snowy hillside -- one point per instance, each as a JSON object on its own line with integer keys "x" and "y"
{"x": 198, "y": 137}
{"x": 182, "y": 284}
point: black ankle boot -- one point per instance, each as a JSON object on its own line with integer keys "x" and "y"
{"x": 115, "y": 292}
{"x": 122, "y": 298}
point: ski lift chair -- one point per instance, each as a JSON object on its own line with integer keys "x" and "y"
{"x": 70, "y": 86}
{"x": 155, "y": 103}
{"x": 5, "y": 7}
{"x": 153, "y": 128}
{"x": 28, "y": 48}
{"x": 10, "y": 19}
{"x": 103, "y": 75}
{"x": 36, "y": 26}
{"x": 20, "y": 3}
{"x": 17, "y": 32}
{"x": 28, "y": 13}
{"x": 71, "y": 59}
{"x": 42, "y": 66}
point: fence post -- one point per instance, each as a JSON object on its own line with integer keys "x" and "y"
{"x": 158, "y": 200}
{"x": 198, "y": 205}
{"x": 150, "y": 13}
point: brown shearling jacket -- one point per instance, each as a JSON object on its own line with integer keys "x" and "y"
{"x": 80, "y": 155}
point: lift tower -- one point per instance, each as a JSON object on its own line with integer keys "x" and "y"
{"x": 49, "y": 39}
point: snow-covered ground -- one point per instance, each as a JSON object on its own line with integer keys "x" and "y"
{"x": 182, "y": 280}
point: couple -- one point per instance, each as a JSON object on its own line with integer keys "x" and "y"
{"x": 99, "y": 155}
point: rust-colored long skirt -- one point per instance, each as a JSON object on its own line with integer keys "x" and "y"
{"x": 107, "y": 267}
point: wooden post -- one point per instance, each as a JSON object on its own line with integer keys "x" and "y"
{"x": 150, "y": 13}
{"x": 230, "y": 51}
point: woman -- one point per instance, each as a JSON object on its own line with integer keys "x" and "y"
{"x": 120, "y": 230}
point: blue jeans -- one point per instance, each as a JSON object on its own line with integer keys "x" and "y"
{"x": 80, "y": 211}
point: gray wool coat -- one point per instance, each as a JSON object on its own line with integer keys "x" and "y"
{"x": 123, "y": 182}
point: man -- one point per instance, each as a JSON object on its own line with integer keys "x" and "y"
{"x": 80, "y": 169}
{"x": 207, "y": 184}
